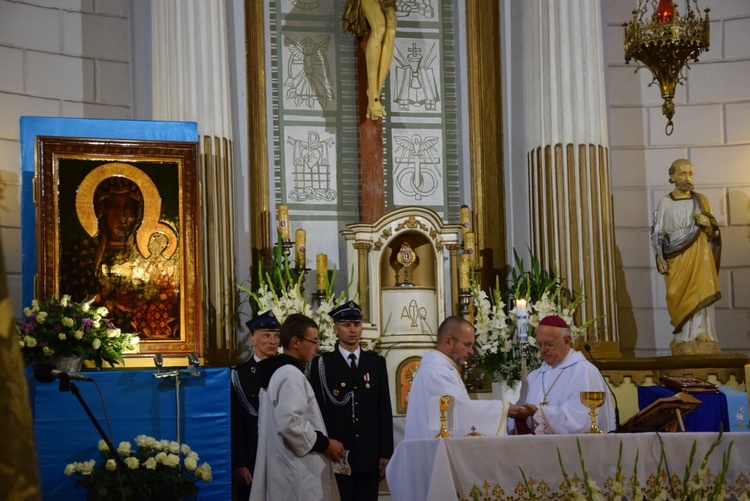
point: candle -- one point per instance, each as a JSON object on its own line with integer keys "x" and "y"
{"x": 522, "y": 328}
{"x": 464, "y": 272}
{"x": 300, "y": 249}
{"x": 321, "y": 272}
{"x": 464, "y": 217}
{"x": 282, "y": 217}
{"x": 470, "y": 245}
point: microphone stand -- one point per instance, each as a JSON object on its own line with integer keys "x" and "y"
{"x": 67, "y": 385}
{"x": 176, "y": 374}
{"x": 618, "y": 427}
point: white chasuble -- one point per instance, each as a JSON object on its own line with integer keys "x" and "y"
{"x": 437, "y": 376}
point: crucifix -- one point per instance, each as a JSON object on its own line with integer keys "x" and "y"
{"x": 373, "y": 22}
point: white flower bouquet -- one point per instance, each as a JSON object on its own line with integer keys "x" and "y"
{"x": 62, "y": 328}
{"x": 163, "y": 469}
{"x": 497, "y": 345}
{"x": 280, "y": 290}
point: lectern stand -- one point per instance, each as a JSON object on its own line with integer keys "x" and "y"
{"x": 665, "y": 413}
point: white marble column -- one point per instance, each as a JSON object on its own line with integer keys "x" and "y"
{"x": 191, "y": 83}
{"x": 568, "y": 156}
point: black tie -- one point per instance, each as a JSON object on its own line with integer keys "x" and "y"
{"x": 353, "y": 358}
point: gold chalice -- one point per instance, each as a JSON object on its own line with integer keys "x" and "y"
{"x": 592, "y": 400}
{"x": 445, "y": 404}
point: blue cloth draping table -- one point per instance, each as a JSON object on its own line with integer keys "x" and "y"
{"x": 137, "y": 404}
{"x": 737, "y": 405}
{"x": 708, "y": 417}
{"x": 448, "y": 469}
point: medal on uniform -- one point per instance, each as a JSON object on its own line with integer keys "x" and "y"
{"x": 367, "y": 380}
{"x": 335, "y": 392}
{"x": 343, "y": 385}
{"x": 252, "y": 369}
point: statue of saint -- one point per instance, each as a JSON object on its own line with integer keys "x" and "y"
{"x": 685, "y": 238}
{"x": 378, "y": 18}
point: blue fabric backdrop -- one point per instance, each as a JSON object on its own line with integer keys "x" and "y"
{"x": 137, "y": 403}
{"x": 708, "y": 417}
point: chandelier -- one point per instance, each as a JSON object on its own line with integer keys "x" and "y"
{"x": 665, "y": 43}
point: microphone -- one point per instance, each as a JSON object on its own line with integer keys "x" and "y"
{"x": 45, "y": 372}
{"x": 618, "y": 427}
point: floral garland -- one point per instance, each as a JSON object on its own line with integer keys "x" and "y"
{"x": 495, "y": 322}
{"x": 281, "y": 292}
{"x": 63, "y": 328}
{"x": 156, "y": 466}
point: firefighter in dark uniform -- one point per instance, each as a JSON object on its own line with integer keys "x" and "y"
{"x": 351, "y": 386}
{"x": 264, "y": 336}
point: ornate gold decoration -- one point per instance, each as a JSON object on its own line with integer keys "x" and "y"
{"x": 406, "y": 257}
{"x": 151, "y": 205}
{"x": 665, "y": 44}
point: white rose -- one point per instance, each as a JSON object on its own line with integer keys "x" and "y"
{"x": 174, "y": 447}
{"x": 35, "y": 304}
{"x": 164, "y": 445}
{"x": 78, "y": 335}
{"x": 70, "y": 469}
{"x": 161, "y": 457}
{"x": 62, "y": 336}
{"x": 151, "y": 442}
{"x": 190, "y": 463}
{"x": 150, "y": 463}
{"x": 172, "y": 460}
{"x": 67, "y": 322}
{"x": 132, "y": 462}
{"x": 96, "y": 343}
{"x": 102, "y": 445}
{"x": 41, "y": 317}
{"x": 193, "y": 455}
{"x": 124, "y": 448}
{"x": 204, "y": 472}
{"x": 65, "y": 300}
{"x": 185, "y": 449}
{"x": 140, "y": 440}
{"x": 87, "y": 467}
{"x": 111, "y": 465}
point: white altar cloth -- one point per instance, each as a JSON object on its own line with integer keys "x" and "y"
{"x": 448, "y": 469}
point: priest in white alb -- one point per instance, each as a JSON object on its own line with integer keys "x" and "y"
{"x": 552, "y": 394}
{"x": 437, "y": 376}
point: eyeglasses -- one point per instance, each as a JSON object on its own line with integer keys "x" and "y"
{"x": 467, "y": 344}
{"x": 548, "y": 344}
{"x": 313, "y": 341}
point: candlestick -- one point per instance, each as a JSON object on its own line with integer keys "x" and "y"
{"x": 464, "y": 217}
{"x": 282, "y": 217}
{"x": 470, "y": 245}
{"x": 300, "y": 248}
{"x": 321, "y": 272}
{"x": 464, "y": 272}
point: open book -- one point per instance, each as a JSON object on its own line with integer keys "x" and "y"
{"x": 666, "y": 412}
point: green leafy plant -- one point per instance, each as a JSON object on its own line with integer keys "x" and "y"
{"x": 163, "y": 470}
{"x": 56, "y": 328}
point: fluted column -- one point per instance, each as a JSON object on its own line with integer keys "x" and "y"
{"x": 568, "y": 157}
{"x": 191, "y": 83}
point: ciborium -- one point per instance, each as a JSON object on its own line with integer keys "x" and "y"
{"x": 592, "y": 400}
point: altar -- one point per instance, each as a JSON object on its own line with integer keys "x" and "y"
{"x": 137, "y": 403}
{"x": 448, "y": 469}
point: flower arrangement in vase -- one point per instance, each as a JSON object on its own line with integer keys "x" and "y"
{"x": 280, "y": 290}
{"x": 163, "y": 469}
{"x": 545, "y": 293}
{"x": 58, "y": 328}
